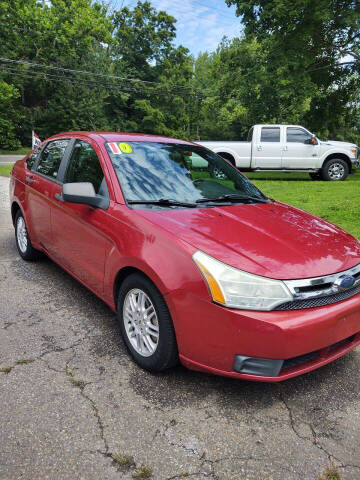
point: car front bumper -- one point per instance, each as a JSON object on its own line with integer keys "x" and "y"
{"x": 210, "y": 337}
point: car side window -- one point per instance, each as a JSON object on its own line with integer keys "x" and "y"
{"x": 270, "y": 134}
{"x": 33, "y": 158}
{"x": 51, "y": 158}
{"x": 84, "y": 166}
{"x": 296, "y": 135}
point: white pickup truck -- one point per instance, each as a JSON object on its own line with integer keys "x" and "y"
{"x": 289, "y": 148}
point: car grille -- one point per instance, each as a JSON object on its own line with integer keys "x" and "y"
{"x": 295, "y": 361}
{"x": 320, "y": 291}
{"x": 308, "y": 357}
{"x": 319, "y": 301}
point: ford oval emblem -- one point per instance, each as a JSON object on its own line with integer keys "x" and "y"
{"x": 343, "y": 283}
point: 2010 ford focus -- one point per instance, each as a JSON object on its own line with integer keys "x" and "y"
{"x": 199, "y": 265}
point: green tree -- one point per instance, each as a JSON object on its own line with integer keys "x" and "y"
{"x": 9, "y": 115}
{"x": 309, "y": 42}
{"x": 144, "y": 50}
{"x": 72, "y": 35}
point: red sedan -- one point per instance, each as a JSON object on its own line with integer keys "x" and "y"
{"x": 199, "y": 265}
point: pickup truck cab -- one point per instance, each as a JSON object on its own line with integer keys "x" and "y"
{"x": 289, "y": 148}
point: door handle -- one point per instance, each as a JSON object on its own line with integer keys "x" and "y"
{"x": 259, "y": 148}
{"x": 30, "y": 180}
{"x": 59, "y": 197}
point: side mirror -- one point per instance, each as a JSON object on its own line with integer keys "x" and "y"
{"x": 84, "y": 193}
{"x": 311, "y": 141}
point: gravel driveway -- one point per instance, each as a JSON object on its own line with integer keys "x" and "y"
{"x": 72, "y": 400}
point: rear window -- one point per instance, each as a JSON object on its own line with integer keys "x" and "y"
{"x": 270, "y": 134}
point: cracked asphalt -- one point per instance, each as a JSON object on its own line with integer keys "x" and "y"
{"x": 73, "y": 398}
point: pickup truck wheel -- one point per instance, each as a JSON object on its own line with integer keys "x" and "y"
{"x": 146, "y": 324}
{"x": 315, "y": 176}
{"x": 23, "y": 243}
{"x": 335, "y": 169}
{"x": 218, "y": 174}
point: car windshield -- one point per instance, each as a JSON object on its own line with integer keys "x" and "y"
{"x": 150, "y": 171}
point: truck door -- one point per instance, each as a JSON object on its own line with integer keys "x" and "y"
{"x": 297, "y": 154}
{"x": 267, "y": 151}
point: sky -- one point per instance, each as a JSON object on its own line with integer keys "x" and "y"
{"x": 201, "y": 24}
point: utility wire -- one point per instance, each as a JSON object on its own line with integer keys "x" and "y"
{"x": 86, "y": 72}
{"x": 89, "y": 83}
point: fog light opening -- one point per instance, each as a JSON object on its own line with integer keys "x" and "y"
{"x": 265, "y": 367}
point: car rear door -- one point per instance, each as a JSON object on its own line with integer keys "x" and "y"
{"x": 40, "y": 182}
{"x": 267, "y": 148}
{"x": 297, "y": 154}
{"x": 81, "y": 238}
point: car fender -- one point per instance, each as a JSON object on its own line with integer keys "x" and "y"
{"x": 148, "y": 250}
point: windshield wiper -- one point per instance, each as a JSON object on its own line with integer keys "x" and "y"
{"x": 166, "y": 202}
{"x": 233, "y": 198}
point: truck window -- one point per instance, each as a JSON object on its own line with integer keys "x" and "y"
{"x": 296, "y": 135}
{"x": 250, "y": 134}
{"x": 270, "y": 134}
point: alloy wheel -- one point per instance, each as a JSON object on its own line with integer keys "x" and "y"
{"x": 219, "y": 174}
{"x": 141, "y": 322}
{"x": 21, "y": 234}
{"x": 336, "y": 171}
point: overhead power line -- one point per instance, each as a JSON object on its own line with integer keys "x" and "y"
{"x": 90, "y": 83}
{"x": 86, "y": 72}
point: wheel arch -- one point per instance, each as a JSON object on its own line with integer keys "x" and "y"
{"x": 341, "y": 156}
{"x": 227, "y": 155}
{"x": 122, "y": 274}
{"x": 15, "y": 207}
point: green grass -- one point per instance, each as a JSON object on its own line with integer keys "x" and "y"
{"x": 5, "y": 370}
{"x": 25, "y": 361}
{"x": 5, "y": 170}
{"x": 143, "y": 473}
{"x": 330, "y": 474}
{"x": 125, "y": 461}
{"x": 336, "y": 202}
{"x": 19, "y": 151}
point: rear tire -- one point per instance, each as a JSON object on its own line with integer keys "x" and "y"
{"x": 334, "y": 170}
{"x": 23, "y": 242}
{"x": 146, "y": 325}
{"x": 315, "y": 176}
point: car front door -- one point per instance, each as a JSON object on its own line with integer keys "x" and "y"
{"x": 297, "y": 154}
{"x": 267, "y": 151}
{"x": 40, "y": 182}
{"x": 81, "y": 242}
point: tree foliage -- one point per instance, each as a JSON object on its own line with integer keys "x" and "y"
{"x": 309, "y": 42}
{"x": 285, "y": 68}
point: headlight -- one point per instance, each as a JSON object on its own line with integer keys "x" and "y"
{"x": 354, "y": 151}
{"x": 237, "y": 289}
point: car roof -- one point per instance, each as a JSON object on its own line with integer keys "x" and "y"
{"x": 123, "y": 137}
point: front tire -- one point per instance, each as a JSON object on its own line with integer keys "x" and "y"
{"x": 315, "y": 176}
{"x": 146, "y": 324}
{"x": 23, "y": 242}
{"x": 218, "y": 174}
{"x": 335, "y": 169}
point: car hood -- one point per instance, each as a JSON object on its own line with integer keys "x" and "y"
{"x": 273, "y": 240}
{"x": 336, "y": 143}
